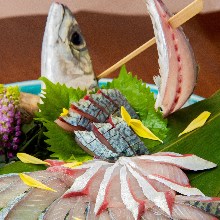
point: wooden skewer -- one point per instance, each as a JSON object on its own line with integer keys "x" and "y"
{"x": 177, "y": 20}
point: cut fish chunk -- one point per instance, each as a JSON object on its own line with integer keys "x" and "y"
{"x": 88, "y": 141}
{"x": 118, "y": 99}
{"x": 89, "y": 110}
{"x": 113, "y": 137}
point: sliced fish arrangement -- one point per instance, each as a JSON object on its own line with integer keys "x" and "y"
{"x": 97, "y": 128}
{"x": 178, "y": 69}
{"x": 123, "y": 181}
{"x": 141, "y": 187}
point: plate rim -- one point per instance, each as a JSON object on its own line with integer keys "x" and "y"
{"x": 29, "y": 83}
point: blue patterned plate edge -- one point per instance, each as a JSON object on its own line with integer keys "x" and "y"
{"x": 34, "y": 87}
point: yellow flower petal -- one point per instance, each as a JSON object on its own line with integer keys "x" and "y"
{"x": 197, "y": 122}
{"x": 26, "y": 158}
{"x": 142, "y": 131}
{"x": 34, "y": 183}
{"x": 75, "y": 218}
{"x": 65, "y": 112}
{"x": 125, "y": 115}
{"x": 72, "y": 165}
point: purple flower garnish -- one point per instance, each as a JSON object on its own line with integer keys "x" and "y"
{"x": 10, "y": 121}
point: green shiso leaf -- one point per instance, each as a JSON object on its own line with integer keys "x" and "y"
{"x": 62, "y": 143}
{"x": 56, "y": 97}
{"x": 142, "y": 100}
{"x": 18, "y": 167}
{"x": 203, "y": 142}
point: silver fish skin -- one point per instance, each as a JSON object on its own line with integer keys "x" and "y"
{"x": 65, "y": 58}
{"x": 178, "y": 69}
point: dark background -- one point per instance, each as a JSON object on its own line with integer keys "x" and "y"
{"x": 109, "y": 38}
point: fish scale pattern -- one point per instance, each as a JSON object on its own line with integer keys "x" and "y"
{"x": 99, "y": 132}
{"x": 96, "y": 108}
{"x": 140, "y": 187}
{"x": 115, "y": 137}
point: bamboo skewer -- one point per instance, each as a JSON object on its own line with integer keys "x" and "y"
{"x": 177, "y": 20}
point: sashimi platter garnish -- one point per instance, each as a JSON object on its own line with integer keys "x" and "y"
{"x": 83, "y": 151}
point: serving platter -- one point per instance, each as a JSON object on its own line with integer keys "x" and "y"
{"x": 34, "y": 87}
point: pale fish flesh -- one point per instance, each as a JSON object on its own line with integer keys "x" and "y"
{"x": 65, "y": 58}
{"x": 134, "y": 188}
{"x": 178, "y": 70}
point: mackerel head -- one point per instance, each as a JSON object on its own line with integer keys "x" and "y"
{"x": 65, "y": 58}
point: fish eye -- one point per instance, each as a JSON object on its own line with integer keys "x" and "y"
{"x": 76, "y": 39}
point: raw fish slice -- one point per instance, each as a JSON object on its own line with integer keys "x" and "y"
{"x": 81, "y": 184}
{"x": 132, "y": 203}
{"x": 88, "y": 141}
{"x": 158, "y": 198}
{"x": 93, "y": 192}
{"x": 79, "y": 208}
{"x": 128, "y": 134}
{"x": 7, "y": 179}
{"x": 90, "y": 214}
{"x": 207, "y": 204}
{"x": 118, "y": 99}
{"x": 105, "y": 128}
{"x": 120, "y": 213}
{"x": 104, "y": 216}
{"x": 113, "y": 137}
{"x": 187, "y": 161}
{"x": 190, "y": 213}
{"x": 104, "y": 103}
{"x": 76, "y": 120}
{"x": 167, "y": 170}
{"x": 18, "y": 187}
{"x": 182, "y": 189}
{"x": 89, "y": 110}
{"x": 101, "y": 199}
{"x": 36, "y": 201}
{"x": 176, "y": 60}
{"x": 59, "y": 209}
{"x": 150, "y": 215}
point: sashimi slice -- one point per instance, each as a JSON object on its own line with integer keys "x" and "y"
{"x": 81, "y": 183}
{"x": 178, "y": 70}
{"x": 104, "y": 103}
{"x": 79, "y": 209}
{"x": 159, "y": 198}
{"x": 207, "y": 204}
{"x": 88, "y": 110}
{"x": 190, "y": 213}
{"x": 120, "y": 213}
{"x": 18, "y": 187}
{"x": 132, "y": 204}
{"x": 147, "y": 167}
{"x": 88, "y": 141}
{"x": 128, "y": 134}
{"x": 187, "y": 161}
{"x": 101, "y": 201}
{"x": 7, "y": 179}
{"x": 150, "y": 215}
{"x": 75, "y": 120}
{"x": 119, "y": 100}
{"x": 59, "y": 209}
{"x": 113, "y": 137}
{"x": 182, "y": 189}
{"x": 36, "y": 200}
